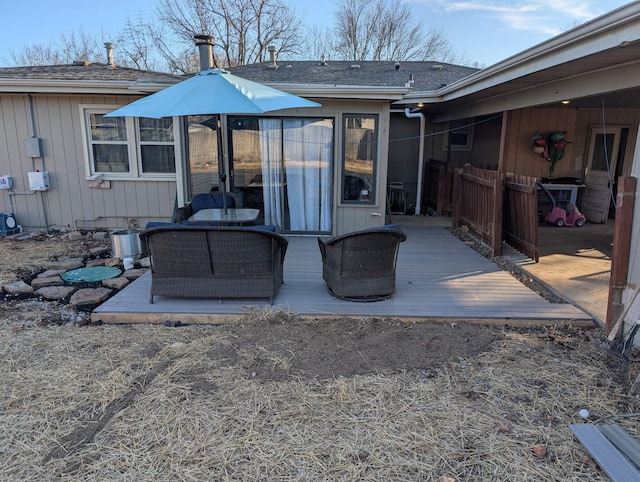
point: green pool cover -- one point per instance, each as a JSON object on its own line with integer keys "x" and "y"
{"x": 89, "y": 275}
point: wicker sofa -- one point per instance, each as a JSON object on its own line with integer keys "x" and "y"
{"x": 362, "y": 265}
{"x": 215, "y": 262}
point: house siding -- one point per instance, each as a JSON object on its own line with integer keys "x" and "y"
{"x": 404, "y": 145}
{"x": 485, "y": 147}
{"x": 524, "y": 123}
{"x": 350, "y": 217}
{"x": 587, "y": 118}
{"x": 71, "y": 201}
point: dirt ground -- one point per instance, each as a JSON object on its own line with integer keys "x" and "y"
{"x": 326, "y": 349}
{"x": 276, "y": 396}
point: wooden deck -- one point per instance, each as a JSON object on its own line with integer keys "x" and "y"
{"x": 438, "y": 277}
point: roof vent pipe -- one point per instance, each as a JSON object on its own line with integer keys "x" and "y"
{"x": 110, "y": 63}
{"x": 410, "y": 82}
{"x": 272, "y": 57}
{"x": 205, "y": 48}
{"x": 412, "y": 115}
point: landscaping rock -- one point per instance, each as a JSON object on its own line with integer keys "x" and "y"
{"x": 134, "y": 273}
{"x": 55, "y": 292}
{"x": 66, "y": 263}
{"x": 95, "y": 262}
{"x": 89, "y": 296}
{"x": 116, "y": 283}
{"x": 113, "y": 262}
{"x": 73, "y": 235}
{"x": 145, "y": 262}
{"x": 28, "y": 235}
{"x": 99, "y": 251}
{"x": 51, "y": 273}
{"x": 100, "y": 236}
{"x": 41, "y": 282}
{"x": 18, "y": 288}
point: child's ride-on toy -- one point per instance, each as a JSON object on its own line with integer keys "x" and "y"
{"x": 562, "y": 217}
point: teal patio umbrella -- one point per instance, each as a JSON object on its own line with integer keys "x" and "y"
{"x": 213, "y": 92}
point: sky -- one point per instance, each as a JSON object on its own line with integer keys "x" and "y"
{"x": 481, "y": 31}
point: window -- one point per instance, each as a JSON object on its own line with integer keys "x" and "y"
{"x": 459, "y": 135}
{"x": 128, "y": 148}
{"x": 359, "y": 158}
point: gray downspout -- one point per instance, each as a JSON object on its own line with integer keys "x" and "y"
{"x": 420, "y": 115}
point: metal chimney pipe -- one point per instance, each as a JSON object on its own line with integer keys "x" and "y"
{"x": 205, "y": 47}
{"x": 110, "y": 63}
{"x": 272, "y": 57}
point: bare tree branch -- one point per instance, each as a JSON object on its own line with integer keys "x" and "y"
{"x": 243, "y": 30}
{"x": 385, "y": 30}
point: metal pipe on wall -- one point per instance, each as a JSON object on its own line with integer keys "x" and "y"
{"x": 32, "y": 133}
{"x": 420, "y": 115}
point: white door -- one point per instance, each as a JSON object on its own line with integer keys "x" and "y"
{"x": 601, "y": 166}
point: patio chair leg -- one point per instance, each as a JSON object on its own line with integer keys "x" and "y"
{"x": 151, "y": 299}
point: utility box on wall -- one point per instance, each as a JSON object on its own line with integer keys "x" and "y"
{"x": 39, "y": 180}
{"x": 33, "y": 146}
{"x": 6, "y": 182}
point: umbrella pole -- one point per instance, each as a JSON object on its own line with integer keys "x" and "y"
{"x": 221, "y": 170}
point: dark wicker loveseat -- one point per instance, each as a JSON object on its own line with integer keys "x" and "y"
{"x": 361, "y": 265}
{"x": 215, "y": 262}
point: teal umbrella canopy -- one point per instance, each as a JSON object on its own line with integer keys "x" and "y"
{"x": 212, "y": 92}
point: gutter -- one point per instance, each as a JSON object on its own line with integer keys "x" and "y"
{"x": 420, "y": 115}
{"x": 13, "y": 85}
{"x": 343, "y": 91}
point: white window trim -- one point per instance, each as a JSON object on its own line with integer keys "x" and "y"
{"x": 134, "y": 148}
{"x": 459, "y": 147}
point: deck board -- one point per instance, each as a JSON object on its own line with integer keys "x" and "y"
{"x": 437, "y": 276}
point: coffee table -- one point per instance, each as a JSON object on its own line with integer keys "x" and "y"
{"x": 228, "y": 217}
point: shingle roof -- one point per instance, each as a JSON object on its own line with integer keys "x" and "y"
{"x": 426, "y": 75}
{"x": 81, "y": 71}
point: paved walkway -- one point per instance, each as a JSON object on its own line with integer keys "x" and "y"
{"x": 576, "y": 264}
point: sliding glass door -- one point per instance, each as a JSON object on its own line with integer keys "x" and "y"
{"x": 283, "y": 166}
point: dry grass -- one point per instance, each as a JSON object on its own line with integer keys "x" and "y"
{"x": 148, "y": 402}
{"x": 19, "y": 259}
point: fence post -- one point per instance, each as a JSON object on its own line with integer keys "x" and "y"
{"x": 457, "y": 197}
{"x": 621, "y": 248}
{"x": 496, "y": 235}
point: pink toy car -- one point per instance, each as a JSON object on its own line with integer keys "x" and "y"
{"x": 563, "y": 217}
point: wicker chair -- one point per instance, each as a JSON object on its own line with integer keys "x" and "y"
{"x": 361, "y": 266}
{"x": 215, "y": 262}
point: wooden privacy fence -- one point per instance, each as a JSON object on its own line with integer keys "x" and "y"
{"x": 478, "y": 204}
{"x": 520, "y": 214}
{"x": 494, "y": 207}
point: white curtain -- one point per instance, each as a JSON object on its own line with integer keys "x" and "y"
{"x": 308, "y": 160}
{"x": 271, "y": 147}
